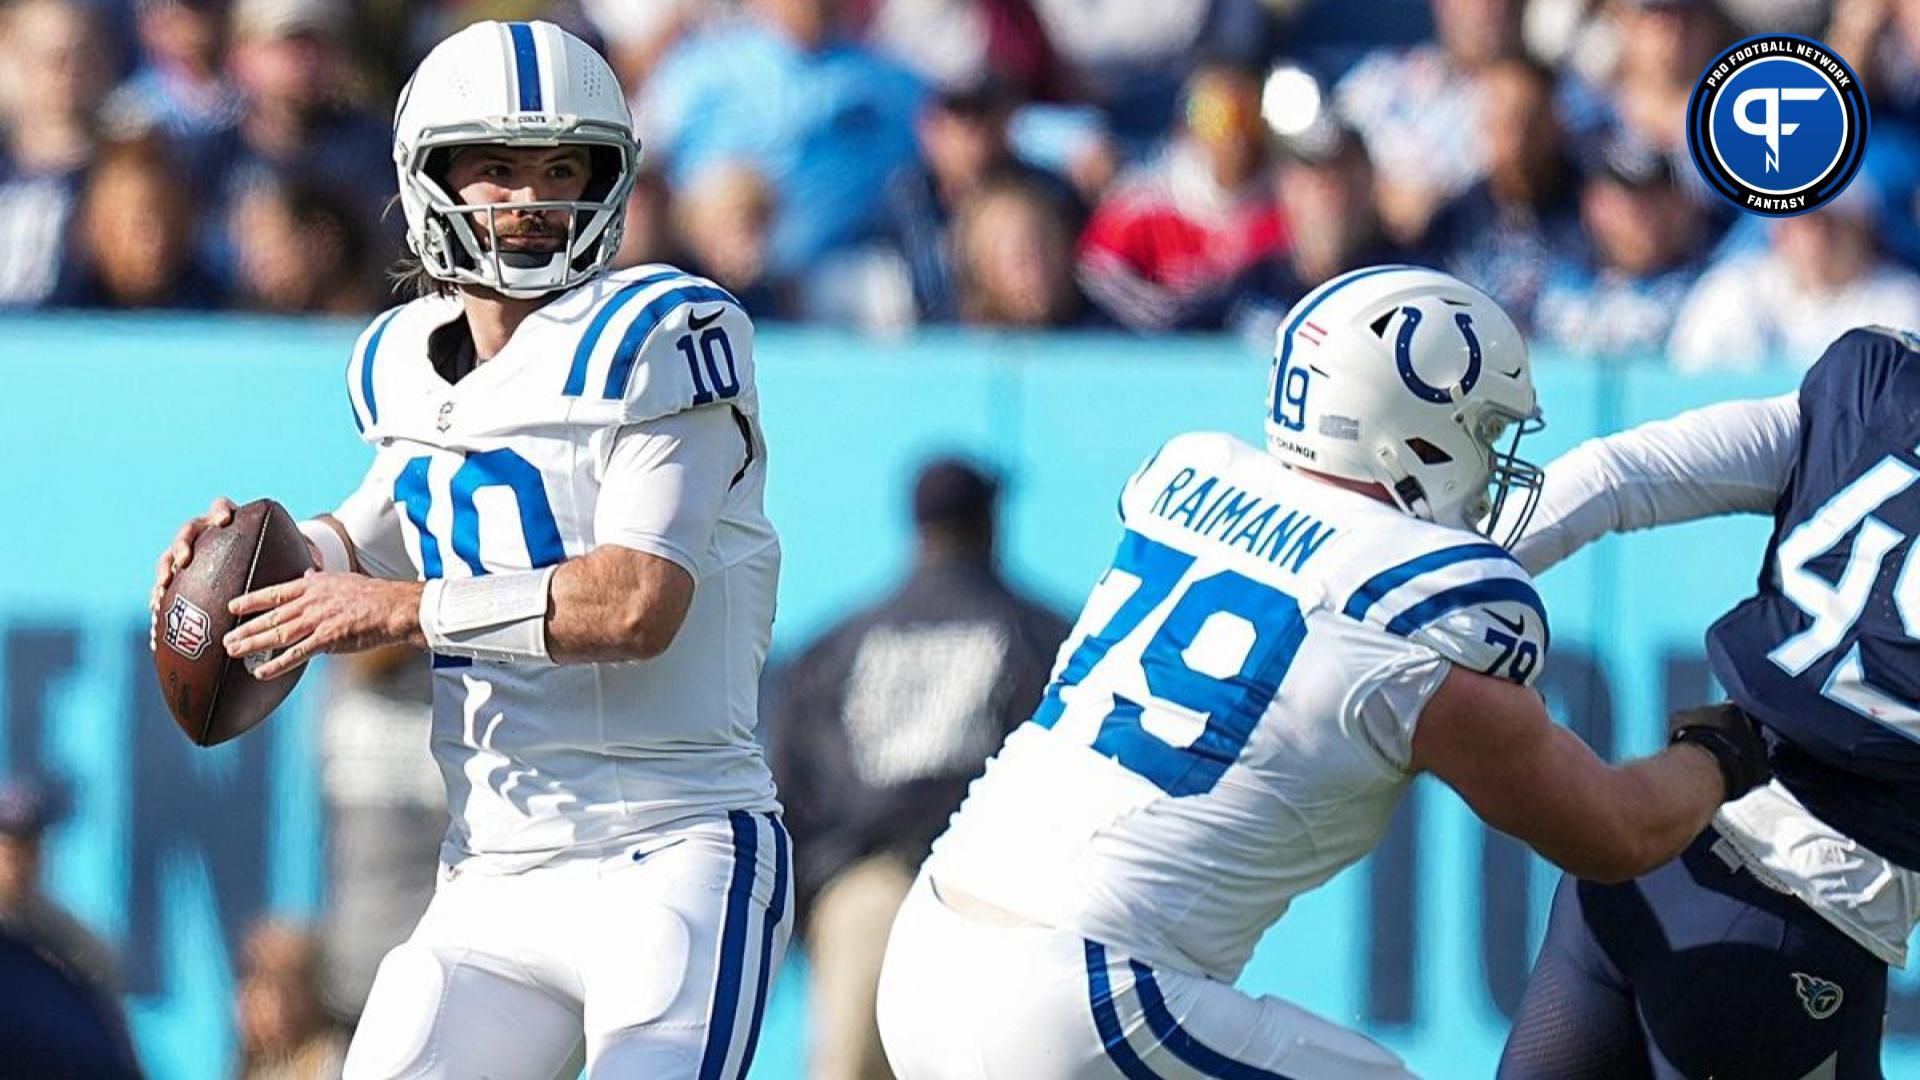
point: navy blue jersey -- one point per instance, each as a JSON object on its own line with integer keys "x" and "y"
{"x": 1827, "y": 654}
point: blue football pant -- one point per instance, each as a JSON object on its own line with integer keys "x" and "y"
{"x": 1696, "y": 970}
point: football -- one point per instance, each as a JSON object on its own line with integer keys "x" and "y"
{"x": 212, "y": 697}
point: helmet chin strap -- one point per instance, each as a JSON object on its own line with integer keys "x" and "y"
{"x": 1406, "y": 488}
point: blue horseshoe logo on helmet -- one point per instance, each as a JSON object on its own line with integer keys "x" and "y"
{"x": 1403, "y": 357}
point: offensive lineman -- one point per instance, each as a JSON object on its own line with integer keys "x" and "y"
{"x": 1763, "y": 951}
{"x": 565, "y": 507}
{"x": 1283, "y": 641}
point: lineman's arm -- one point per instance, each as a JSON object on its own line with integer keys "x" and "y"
{"x": 1492, "y": 741}
{"x": 1728, "y": 458}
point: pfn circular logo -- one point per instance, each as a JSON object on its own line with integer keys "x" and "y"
{"x": 1777, "y": 124}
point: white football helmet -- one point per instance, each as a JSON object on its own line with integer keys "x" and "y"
{"x": 1408, "y": 377}
{"x": 512, "y": 84}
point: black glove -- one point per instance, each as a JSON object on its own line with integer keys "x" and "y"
{"x": 1731, "y": 736}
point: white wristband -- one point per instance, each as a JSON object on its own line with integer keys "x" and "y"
{"x": 334, "y": 558}
{"x": 497, "y": 617}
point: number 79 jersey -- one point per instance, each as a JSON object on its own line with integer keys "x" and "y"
{"x": 1230, "y": 723}
{"x": 502, "y": 471}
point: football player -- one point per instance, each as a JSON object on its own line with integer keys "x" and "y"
{"x": 564, "y": 506}
{"x": 1285, "y": 638}
{"x": 1763, "y": 951}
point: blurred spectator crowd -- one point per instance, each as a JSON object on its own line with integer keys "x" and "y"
{"x": 1142, "y": 165}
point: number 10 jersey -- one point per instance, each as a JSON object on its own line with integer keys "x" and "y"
{"x": 1230, "y": 723}
{"x": 504, "y": 471}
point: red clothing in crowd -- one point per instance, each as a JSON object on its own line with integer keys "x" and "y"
{"x": 1168, "y": 239}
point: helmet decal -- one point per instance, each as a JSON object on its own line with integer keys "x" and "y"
{"x": 1403, "y": 358}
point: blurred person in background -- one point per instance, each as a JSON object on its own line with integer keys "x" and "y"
{"x": 883, "y": 723}
{"x": 1013, "y": 248}
{"x": 724, "y": 221}
{"x": 1132, "y": 59}
{"x": 842, "y": 125}
{"x": 1880, "y": 40}
{"x": 1419, "y": 109}
{"x": 52, "y": 1025}
{"x": 963, "y": 142}
{"x": 289, "y": 58}
{"x": 1505, "y": 234}
{"x": 1820, "y": 274}
{"x": 53, "y": 75}
{"x": 181, "y": 86}
{"x": 386, "y": 813}
{"x": 1634, "y": 81}
{"x": 305, "y": 252}
{"x": 650, "y": 235}
{"x": 956, "y": 43}
{"x": 1172, "y": 234}
{"x": 1646, "y": 235}
{"x": 27, "y": 912}
{"x": 1325, "y": 184}
{"x": 136, "y": 233}
{"x": 284, "y": 1033}
{"x": 638, "y": 35}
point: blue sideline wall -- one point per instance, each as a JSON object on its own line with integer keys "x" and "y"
{"x": 115, "y": 430}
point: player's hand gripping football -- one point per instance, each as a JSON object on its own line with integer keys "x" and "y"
{"x": 1731, "y": 736}
{"x": 180, "y": 552}
{"x": 323, "y": 613}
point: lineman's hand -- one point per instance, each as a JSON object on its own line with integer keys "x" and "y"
{"x": 1732, "y": 737}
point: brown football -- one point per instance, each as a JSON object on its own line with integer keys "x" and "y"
{"x": 214, "y": 698}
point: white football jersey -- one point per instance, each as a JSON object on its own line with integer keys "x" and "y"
{"x": 502, "y": 471}
{"x": 1231, "y": 721}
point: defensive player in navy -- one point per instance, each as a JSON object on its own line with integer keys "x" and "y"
{"x": 1763, "y": 952}
{"x": 565, "y": 507}
{"x": 1285, "y": 638}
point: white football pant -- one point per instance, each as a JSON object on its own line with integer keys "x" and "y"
{"x": 979, "y": 996}
{"x": 660, "y": 958}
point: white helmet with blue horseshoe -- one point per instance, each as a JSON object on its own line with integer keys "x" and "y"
{"x": 519, "y": 84}
{"x": 1408, "y": 377}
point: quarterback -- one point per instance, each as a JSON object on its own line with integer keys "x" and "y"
{"x": 564, "y": 506}
{"x": 1284, "y": 639}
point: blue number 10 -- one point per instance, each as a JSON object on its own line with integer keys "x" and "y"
{"x": 1232, "y": 705}
{"x": 489, "y": 468}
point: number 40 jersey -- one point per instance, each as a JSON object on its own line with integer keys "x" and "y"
{"x": 504, "y": 470}
{"x": 1230, "y": 723}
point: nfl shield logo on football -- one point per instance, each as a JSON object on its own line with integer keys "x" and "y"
{"x": 188, "y": 628}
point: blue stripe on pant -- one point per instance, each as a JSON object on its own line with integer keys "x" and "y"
{"x": 1166, "y": 1028}
{"x": 733, "y": 978}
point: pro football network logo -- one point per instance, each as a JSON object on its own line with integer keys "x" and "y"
{"x": 188, "y": 628}
{"x": 1777, "y": 124}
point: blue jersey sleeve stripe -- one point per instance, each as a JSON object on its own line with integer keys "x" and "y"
{"x": 1384, "y": 582}
{"x": 1483, "y": 591}
{"x": 643, "y": 326}
{"x": 367, "y": 356}
{"x": 1196, "y": 1054}
{"x": 526, "y": 66}
{"x": 583, "y": 353}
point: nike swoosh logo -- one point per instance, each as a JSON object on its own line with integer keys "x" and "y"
{"x": 1514, "y": 374}
{"x": 1519, "y": 628}
{"x": 699, "y": 322}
